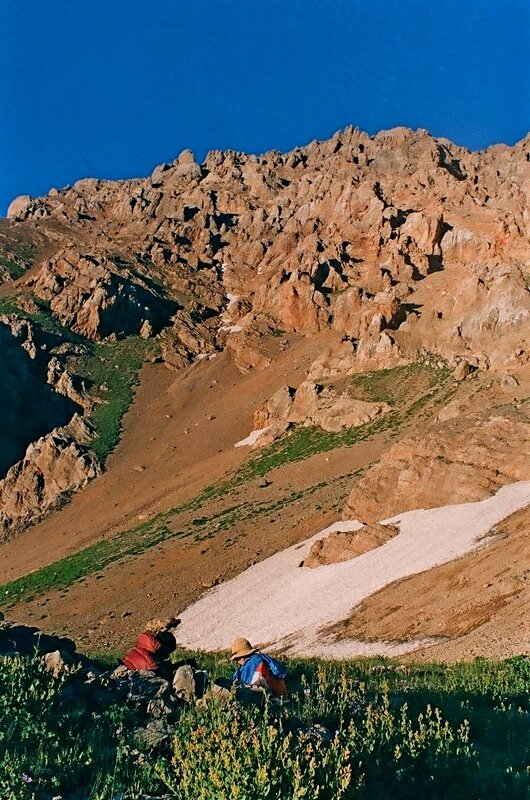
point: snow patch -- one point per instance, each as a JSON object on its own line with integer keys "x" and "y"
{"x": 232, "y": 299}
{"x": 278, "y": 604}
{"x": 252, "y": 438}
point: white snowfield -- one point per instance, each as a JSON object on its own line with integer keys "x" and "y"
{"x": 285, "y": 607}
{"x": 252, "y": 438}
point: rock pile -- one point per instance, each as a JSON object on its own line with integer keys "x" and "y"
{"x": 312, "y": 404}
{"x": 87, "y": 680}
{"x": 344, "y": 545}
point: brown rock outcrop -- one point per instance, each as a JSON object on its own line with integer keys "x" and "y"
{"x": 344, "y": 545}
{"x": 459, "y": 460}
{"x": 52, "y": 468}
{"x": 403, "y": 245}
{"x": 315, "y": 404}
{"x": 402, "y": 242}
{"x": 29, "y": 407}
{"x": 20, "y": 207}
{"x": 92, "y": 297}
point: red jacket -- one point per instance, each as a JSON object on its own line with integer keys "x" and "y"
{"x": 141, "y": 656}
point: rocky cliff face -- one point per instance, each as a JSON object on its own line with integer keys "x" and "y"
{"x": 454, "y": 461}
{"x": 28, "y": 404}
{"x": 401, "y": 242}
{"x": 97, "y": 298}
{"x": 402, "y": 245}
{"x": 52, "y": 469}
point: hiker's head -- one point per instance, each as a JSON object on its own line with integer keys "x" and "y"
{"x": 241, "y": 649}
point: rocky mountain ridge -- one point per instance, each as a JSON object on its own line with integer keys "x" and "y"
{"x": 392, "y": 248}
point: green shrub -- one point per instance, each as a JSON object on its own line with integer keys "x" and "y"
{"x": 369, "y": 729}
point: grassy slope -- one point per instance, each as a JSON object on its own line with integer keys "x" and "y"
{"x": 394, "y": 731}
{"x": 15, "y": 259}
{"x": 393, "y": 386}
{"x": 110, "y": 369}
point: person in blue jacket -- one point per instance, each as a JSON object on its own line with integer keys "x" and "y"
{"x": 257, "y": 670}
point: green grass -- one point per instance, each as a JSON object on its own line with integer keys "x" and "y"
{"x": 164, "y": 526}
{"x": 43, "y": 318}
{"x": 110, "y": 368}
{"x": 8, "y": 306}
{"x": 242, "y": 512}
{"x": 394, "y": 731}
{"x": 388, "y": 385}
{"x": 393, "y": 385}
{"x": 113, "y": 370}
{"x": 15, "y": 260}
{"x": 117, "y": 367}
{"x": 301, "y": 443}
{"x": 11, "y": 270}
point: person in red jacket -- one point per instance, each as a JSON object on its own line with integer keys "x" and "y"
{"x": 154, "y": 647}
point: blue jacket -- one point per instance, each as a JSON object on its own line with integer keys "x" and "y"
{"x": 262, "y": 671}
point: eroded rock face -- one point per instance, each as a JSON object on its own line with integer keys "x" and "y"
{"x": 314, "y": 404}
{"x": 401, "y": 242}
{"x": 459, "y": 460}
{"x": 345, "y": 545}
{"x": 20, "y": 207}
{"x": 89, "y": 295}
{"x": 52, "y": 469}
{"x": 29, "y": 407}
{"x": 402, "y": 245}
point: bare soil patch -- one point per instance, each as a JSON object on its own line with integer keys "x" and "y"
{"x": 478, "y": 603}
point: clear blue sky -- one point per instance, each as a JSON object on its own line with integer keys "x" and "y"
{"x": 110, "y": 88}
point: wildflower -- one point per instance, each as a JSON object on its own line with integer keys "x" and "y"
{"x": 26, "y": 778}
{"x": 307, "y": 691}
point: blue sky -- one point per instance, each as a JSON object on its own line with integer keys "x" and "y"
{"x": 112, "y": 88}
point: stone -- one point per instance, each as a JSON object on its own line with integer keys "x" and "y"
{"x": 52, "y": 468}
{"x": 146, "y": 329}
{"x": 19, "y": 208}
{"x": 509, "y": 383}
{"x": 184, "y": 683}
{"x": 313, "y": 404}
{"x": 90, "y": 295}
{"x": 462, "y": 371}
{"x": 343, "y": 546}
{"x": 58, "y": 662}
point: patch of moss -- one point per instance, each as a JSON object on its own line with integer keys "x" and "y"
{"x": 15, "y": 259}
{"x": 113, "y": 370}
{"x": 394, "y": 385}
{"x": 11, "y": 270}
